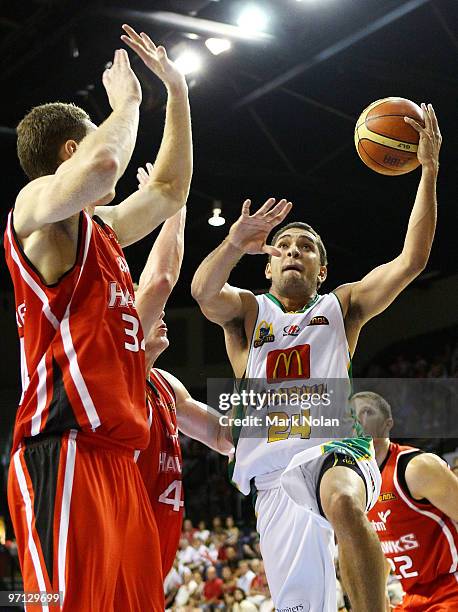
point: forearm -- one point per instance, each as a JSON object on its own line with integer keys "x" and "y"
{"x": 115, "y": 137}
{"x": 422, "y": 222}
{"x": 166, "y": 256}
{"x": 213, "y": 273}
{"x": 201, "y": 423}
{"x": 173, "y": 165}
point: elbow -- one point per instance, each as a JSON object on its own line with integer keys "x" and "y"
{"x": 106, "y": 165}
{"x": 162, "y": 285}
{"x": 197, "y": 290}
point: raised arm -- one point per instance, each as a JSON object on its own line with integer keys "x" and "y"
{"x": 168, "y": 186}
{"x": 162, "y": 268}
{"x": 219, "y": 301}
{"x": 91, "y": 173}
{"x": 199, "y": 421}
{"x": 427, "y": 476}
{"x": 376, "y": 291}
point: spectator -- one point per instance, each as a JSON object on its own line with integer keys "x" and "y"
{"x": 213, "y": 590}
{"x": 229, "y": 556}
{"x": 259, "y": 590}
{"x": 203, "y": 533}
{"x": 245, "y": 577}
{"x": 232, "y": 531}
{"x": 241, "y": 603}
{"x": 185, "y": 590}
{"x": 217, "y": 526}
{"x": 188, "y": 531}
{"x": 229, "y": 583}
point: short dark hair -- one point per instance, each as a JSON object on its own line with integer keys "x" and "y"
{"x": 43, "y": 131}
{"x": 380, "y": 402}
{"x": 308, "y": 228}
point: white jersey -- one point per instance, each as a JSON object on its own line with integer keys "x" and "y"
{"x": 300, "y": 353}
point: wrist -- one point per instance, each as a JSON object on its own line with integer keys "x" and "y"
{"x": 177, "y": 88}
{"x": 233, "y": 248}
{"x": 431, "y": 168}
{"x": 127, "y": 103}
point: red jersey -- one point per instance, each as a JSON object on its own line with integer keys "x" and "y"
{"x": 81, "y": 343}
{"x": 418, "y": 539}
{"x": 161, "y": 466}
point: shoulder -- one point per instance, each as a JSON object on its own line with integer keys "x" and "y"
{"x": 25, "y": 201}
{"x": 343, "y": 295}
{"x": 181, "y": 393}
{"x": 423, "y": 472}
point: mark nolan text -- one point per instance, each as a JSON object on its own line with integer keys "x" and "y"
{"x": 294, "y": 420}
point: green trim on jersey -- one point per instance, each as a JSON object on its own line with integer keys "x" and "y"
{"x": 280, "y": 305}
{"x": 359, "y": 448}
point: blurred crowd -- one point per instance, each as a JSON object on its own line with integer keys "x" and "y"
{"x": 221, "y": 568}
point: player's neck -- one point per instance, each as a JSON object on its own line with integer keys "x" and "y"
{"x": 382, "y": 447}
{"x": 292, "y": 303}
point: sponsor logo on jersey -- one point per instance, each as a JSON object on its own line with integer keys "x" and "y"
{"x": 320, "y": 320}
{"x": 296, "y": 608}
{"x": 291, "y": 330}
{"x": 289, "y": 363}
{"x": 264, "y": 333}
{"x": 384, "y": 497}
{"x": 405, "y": 542}
{"x": 20, "y": 314}
{"x": 119, "y": 297}
{"x": 122, "y": 263}
{"x": 381, "y": 525}
{"x": 169, "y": 463}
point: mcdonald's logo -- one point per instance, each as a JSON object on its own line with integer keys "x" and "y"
{"x": 289, "y": 363}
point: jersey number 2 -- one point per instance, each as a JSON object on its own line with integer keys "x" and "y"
{"x": 175, "y": 499}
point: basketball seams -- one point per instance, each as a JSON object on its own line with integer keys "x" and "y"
{"x": 387, "y": 170}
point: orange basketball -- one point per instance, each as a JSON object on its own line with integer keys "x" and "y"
{"x": 384, "y": 141}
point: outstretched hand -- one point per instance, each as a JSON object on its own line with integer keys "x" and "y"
{"x": 144, "y": 175}
{"x": 249, "y": 233}
{"x": 154, "y": 57}
{"x": 430, "y": 137}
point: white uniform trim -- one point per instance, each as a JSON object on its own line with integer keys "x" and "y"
{"x": 65, "y": 512}
{"x": 41, "y": 396}
{"x": 30, "y": 281}
{"x": 446, "y": 531}
{"x": 75, "y": 371}
{"x": 28, "y": 512}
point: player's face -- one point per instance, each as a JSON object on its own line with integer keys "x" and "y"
{"x": 371, "y": 418}
{"x": 298, "y": 269}
{"x": 157, "y": 339}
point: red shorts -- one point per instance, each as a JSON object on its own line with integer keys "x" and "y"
{"x": 438, "y": 596}
{"x": 84, "y": 525}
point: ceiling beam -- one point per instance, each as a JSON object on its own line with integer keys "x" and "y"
{"x": 331, "y": 51}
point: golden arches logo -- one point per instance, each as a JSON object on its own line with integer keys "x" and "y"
{"x": 288, "y": 363}
{"x": 264, "y": 333}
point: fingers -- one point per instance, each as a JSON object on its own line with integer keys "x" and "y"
{"x": 149, "y": 43}
{"x": 279, "y": 218}
{"x": 149, "y": 167}
{"x": 246, "y": 208}
{"x": 131, "y": 33}
{"x": 265, "y": 207}
{"x": 271, "y": 250}
{"x": 275, "y": 210}
{"x": 416, "y": 126}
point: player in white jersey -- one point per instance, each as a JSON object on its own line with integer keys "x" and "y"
{"x": 306, "y": 489}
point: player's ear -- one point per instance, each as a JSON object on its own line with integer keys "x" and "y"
{"x": 389, "y": 424}
{"x": 268, "y": 270}
{"x": 67, "y": 149}
{"x": 322, "y": 274}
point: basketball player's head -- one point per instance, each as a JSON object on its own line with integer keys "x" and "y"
{"x": 157, "y": 340}
{"x": 374, "y": 414}
{"x": 301, "y": 268}
{"x": 49, "y": 135}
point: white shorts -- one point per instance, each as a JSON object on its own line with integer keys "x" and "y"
{"x": 297, "y": 543}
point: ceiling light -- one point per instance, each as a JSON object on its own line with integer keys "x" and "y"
{"x": 218, "y": 45}
{"x": 188, "y": 61}
{"x": 252, "y": 19}
{"x": 216, "y": 220}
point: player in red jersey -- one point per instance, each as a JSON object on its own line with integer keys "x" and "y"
{"x": 416, "y": 513}
{"x": 79, "y": 507}
{"x": 170, "y": 405}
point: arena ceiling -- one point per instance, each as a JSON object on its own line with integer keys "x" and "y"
{"x": 271, "y": 117}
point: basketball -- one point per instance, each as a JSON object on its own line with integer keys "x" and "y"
{"x": 384, "y": 141}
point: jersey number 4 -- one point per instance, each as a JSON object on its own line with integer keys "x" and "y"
{"x": 172, "y": 495}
